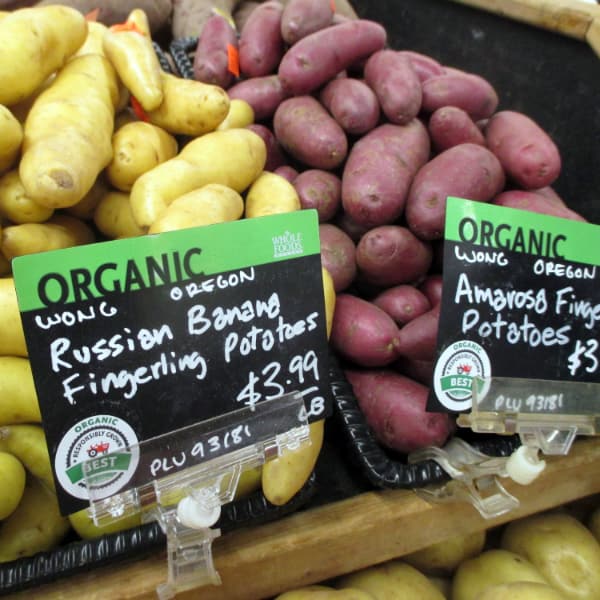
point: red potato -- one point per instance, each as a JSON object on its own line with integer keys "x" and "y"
{"x": 303, "y": 17}
{"x": 242, "y": 11}
{"x": 309, "y": 133}
{"x": 211, "y": 58}
{"x": 418, "y": 338}
{"x": 338, "y": 256}
{"x": 425, "y": 66}
{"x": 320, "y": 56}
{"x": 363, "y": 333}
{"x": 474, "y": 94}
{"x": 467, "y": 171}
{"x": 263, "y": 94}
{"x": 419, "y": 370}
{"x": 352, "y": 103}
{"x": 261, "y": 45}
{"x": 432, "y": 286}
{"x": 550, "y": 193}
{"x": 379, "y": 170}
{"x": 526, "y": 152}
{"x": 396, "y": 84}
{"x": 353, "y": 229}
{"x": 394, "y": 406}
{"x": 321, "y": 190}
{"x": 275, "y": 155}
{"x": 403, "y": 303}
{"x": 450, "y": 126}
{"x": 389, "y": 255}
{"x": 287, "y": 172}
{"x": 536, "y": 202}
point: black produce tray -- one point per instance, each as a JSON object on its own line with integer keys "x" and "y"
{"x": 383, "y": 468}
{"x": 181, "y": 52}
{"x": 163, "y": 59}
{"x": 80, "y": 556}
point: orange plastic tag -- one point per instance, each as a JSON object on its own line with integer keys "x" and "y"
{"x": 127, "y": 26}
{"x": 233, "y": 60}
{"x": 332, "y": 5}
{"x": 92, "y": 15}
{"x": 140, "y": 113}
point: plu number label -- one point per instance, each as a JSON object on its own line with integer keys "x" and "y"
{"x": 521, "y": 299}
{"x": 134, "y": 338}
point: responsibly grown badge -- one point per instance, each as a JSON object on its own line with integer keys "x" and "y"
{"x": 454, "y": 371}
{"x": 101, "y": 450}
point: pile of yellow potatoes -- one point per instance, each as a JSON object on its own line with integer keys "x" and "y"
{"x": 97, "y": 142}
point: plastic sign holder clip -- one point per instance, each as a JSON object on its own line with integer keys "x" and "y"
{"x": 185, "y": 497}
{"x": 474, "y": 478}
{"x": 547, "y": 415}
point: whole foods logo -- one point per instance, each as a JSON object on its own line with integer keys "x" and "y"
{"x": 100, "y": 450}
{"x": 454, "y": 373}
{"x": 287, "y": 244}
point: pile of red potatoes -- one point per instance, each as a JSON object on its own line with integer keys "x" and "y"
{"x": 375, "y": 139}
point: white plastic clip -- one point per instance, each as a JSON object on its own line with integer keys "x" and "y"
{"x": 197, "y": 515}
{"x": 475, "y": 476}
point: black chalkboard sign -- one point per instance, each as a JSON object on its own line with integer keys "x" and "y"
{"x": 521, "y": 299}
{"x": 134, "y": 338}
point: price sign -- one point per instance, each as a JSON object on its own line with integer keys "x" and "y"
{"x": 134, "y": 338}
{"x": 521, "y": 299}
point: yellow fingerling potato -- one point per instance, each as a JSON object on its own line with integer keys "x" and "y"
{"x": 60, "y": 164}
{"x": 113, "y": 217}
{"x": 271, "y": 194}
{"x": 36, "y": 42}
{"x": 28, "y": 444}
{"x": 129, "y": 49}
{"x": 12, "y": 483}
{"x": 240, "y": 114}
{"x": 12, "y": 336}
{"x": 11, "y": 136}
{"x": 95, "y": 39}
{"x": 139, "y": 18}
{"x": 190, "y": 107}
{"x": 16, "y": 206}
{"x": 330, "y": 298}
{"x": 560, "y": 546}
{"x": 36, "y": 525}
{"x": 85, "y": 208}
{"x": 60, "y": 231}
{"x": 18, "y": 398}
{"x": 443, "y": 558}
{"x": 138, "y": 147}
{"x": 284, "y": 476}
{"x": 392, "y": 579}
{"x": 234, "y": 157}
{"x": 212, "y": 203}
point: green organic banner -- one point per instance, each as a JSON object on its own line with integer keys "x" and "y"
{"x": 526, "y": 232}
{"x": 61, "y": 277}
